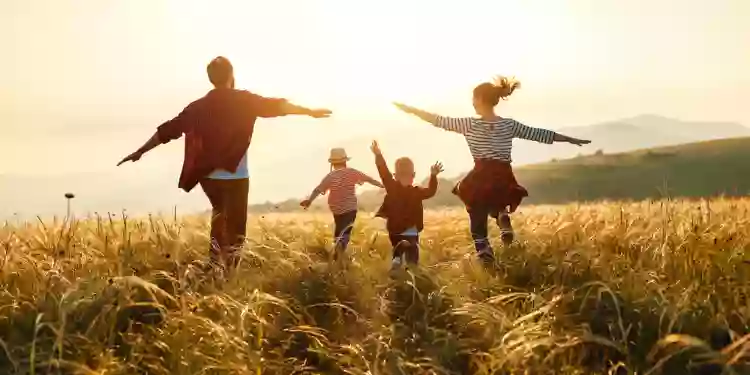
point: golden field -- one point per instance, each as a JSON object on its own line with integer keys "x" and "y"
{"x": 609, "y": 288}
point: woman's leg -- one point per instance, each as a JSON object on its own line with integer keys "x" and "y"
{"x": 478, "y": 217}
{"x": 506, "y": 228}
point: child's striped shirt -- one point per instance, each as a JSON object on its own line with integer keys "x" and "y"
{"x": 341, "y": 183}
{"x": 493, "y": 139}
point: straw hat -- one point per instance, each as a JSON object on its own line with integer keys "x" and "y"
{"x": 338, "y": 155}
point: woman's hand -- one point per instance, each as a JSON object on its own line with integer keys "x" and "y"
{"x": 423, "y": 115}
{"x": 404, "y": 107}
{"x": 579, "y": 142}
{"x": 564, "y": 138}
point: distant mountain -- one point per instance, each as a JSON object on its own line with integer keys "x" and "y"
{"x": 645, "y": 131}
{"x": 700, "y": 169}
{"x": 694, "y": 130}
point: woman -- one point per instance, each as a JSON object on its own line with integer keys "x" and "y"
{"x": 490, "y": 188}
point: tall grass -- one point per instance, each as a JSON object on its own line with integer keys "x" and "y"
{"x": 610, "y": 288}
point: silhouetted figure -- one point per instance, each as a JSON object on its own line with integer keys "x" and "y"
{"x": 402, "y": 206}
{"x": 490, "y": 188}
{"x": 218, "y": 129}
{"x": 341, "y": 184}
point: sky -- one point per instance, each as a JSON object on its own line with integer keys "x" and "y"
{"x": 84, "y": 82}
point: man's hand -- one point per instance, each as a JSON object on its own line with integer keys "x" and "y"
{"x": 375, "y": 148}
{"x": 320, "y": 113}
{"x": 436, "y": 168}
{"x": 305, "y": 203}
{"x": 132, "y": 157}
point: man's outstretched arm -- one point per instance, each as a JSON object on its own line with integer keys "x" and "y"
{"x": 276, "y": 107}
{"x": 148, "y": 146}
{"x": 166, "y": 132}
{"x": 293, "y": 109}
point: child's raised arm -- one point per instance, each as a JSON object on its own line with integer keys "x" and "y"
{"x": 431, "y": 188}
{"x": 385, "y": 174}
{"x": 459, "y": 125}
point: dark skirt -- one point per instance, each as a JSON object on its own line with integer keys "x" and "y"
{"x": 492, "y": 186}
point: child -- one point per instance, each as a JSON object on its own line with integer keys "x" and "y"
{"x": 490, "y": 188}
{"x": 402, "y": 205}
{"x": 342, "y": 201}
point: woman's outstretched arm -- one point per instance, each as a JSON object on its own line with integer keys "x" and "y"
{"x": 543, "y": 135}
{"x": 459, "y": 125}
{"x": 564, "y": 138}
{"x": 424, "y": 115}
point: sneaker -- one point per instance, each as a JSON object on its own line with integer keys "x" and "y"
{"x": 396, "y": 264}
{"x": 506, "y": 229}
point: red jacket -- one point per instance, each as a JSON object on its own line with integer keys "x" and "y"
{"x": 218, "y": 128}
{"x": 402, "y": 205}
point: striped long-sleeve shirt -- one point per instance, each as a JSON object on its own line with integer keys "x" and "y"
{"x": 493, "y": 139}
{"x": 341, "y": 184}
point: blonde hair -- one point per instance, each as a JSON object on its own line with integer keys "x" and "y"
{"x": 505, "y": 86}
{"x": 500, "y": 87}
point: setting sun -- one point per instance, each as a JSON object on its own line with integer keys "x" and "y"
{"x": 87, "y": 77}
{"x": 365, "y": 56}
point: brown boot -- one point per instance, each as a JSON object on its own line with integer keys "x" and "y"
{"x": 506, "y": 229}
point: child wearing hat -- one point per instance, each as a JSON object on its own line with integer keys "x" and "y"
{"x": 342, "y": 200}
{"x": 402, "y": 206}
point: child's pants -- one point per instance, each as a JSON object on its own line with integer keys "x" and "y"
{"x": 408, "y": 246}
{"x": 344, "y": 223}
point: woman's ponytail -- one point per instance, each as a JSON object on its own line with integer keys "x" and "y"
{"x": 505, "y": 86}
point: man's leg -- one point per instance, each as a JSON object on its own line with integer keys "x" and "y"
{"x": 478, "y": 217}
{"x": 218, "y": 241}
{"x": 236, "y": 207}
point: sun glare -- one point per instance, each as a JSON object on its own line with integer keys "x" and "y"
{"x": 360, "y": 57}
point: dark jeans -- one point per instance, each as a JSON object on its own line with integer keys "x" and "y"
{"x": 228, "y": 218}
{"x": 408, "y": 246}
{"x": 478, "y": 217}
{"x": 342, "y": 231}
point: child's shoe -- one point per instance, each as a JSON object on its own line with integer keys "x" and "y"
{"x": 396, "y": 263}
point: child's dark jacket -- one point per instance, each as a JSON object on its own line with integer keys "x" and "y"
{"x": 402, "y": 206}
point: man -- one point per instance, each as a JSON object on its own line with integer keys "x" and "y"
{"x": 218, "y": 129}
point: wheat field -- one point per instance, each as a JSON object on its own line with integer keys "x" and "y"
{"x": 608, "y": 288}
